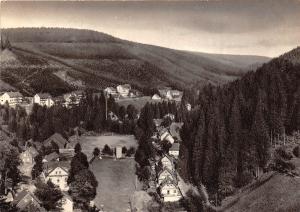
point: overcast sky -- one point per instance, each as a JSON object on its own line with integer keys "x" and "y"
{"x": 267, "y": 28}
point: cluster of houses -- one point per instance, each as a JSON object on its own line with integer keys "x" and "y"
{"x": 167, "y": 93}
{"x": 164, "y": 178}
{"x": 56, "y": 166}
{"x": 122, "y": 91}
{"x": 44, "y": 99}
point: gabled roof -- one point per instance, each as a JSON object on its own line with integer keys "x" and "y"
{"x": 44, "y": 95}
{"x": 51, "y": 166}
{"x": 110, "y": 88}
{"x": 56, "y": 138}
{"x": 14, "y": 94}
{"x": 51, "y": 157}
{"x": 125, "y": 86}
{"x": 156, "y": 96}
{"x": 23, "y": 194}
{"x": 166, "y": 181}
{"x": 172, "y": 173}
{"x": 32, "y": 151}
{"x": 175, "y": 147}
{"x": 163, "y": 131}
{"x": 167, "y": 156}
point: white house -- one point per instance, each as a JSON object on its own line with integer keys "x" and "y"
{"x": 169, "y": 190}
{"x": 43, "y": 99}
{"x": 124, "y": 90}
{"x": 28, "y": 155}
{"x": 110, "y": 91}
{"x": 174, "y": 150}
{"x": 156, "y": 97}
{"x": 165, "y": 135}
{"x": 164, "y": 173}
{"x": 188, "y": 106}
{"x": 57, "y": 173}
{"x": 72, "y": 98}
{"x": 67, "y": 203}
{"x": 167, "y": 162}
{"x": 13, "y": 98}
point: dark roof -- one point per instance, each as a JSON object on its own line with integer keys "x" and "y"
{"x": 23, "y": 194}
{"x": 56, "y": 138}
{"x": 44, "y": 95}
{"x": 50, "y": 166}
{"x": 168, "y": 180}
{"x": 51, "y": 157}
{"x": 126, "y": 86}
{"x": 174, "y": 147}
{"x": 14, "y": 94}
{"x": 172, "y": 173}
{"x": 20, "y": 196}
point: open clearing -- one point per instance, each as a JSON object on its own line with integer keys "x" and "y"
{"x": 116, "y": 178}
{"x": 138, "y": 103}
{"x": 88, "y": 143}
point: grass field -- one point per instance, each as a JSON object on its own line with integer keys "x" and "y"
{"x": 116, "y": 180}
{"x": 138, "y": 103}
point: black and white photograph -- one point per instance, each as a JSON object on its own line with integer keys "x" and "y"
{"x": 150, "y": 106}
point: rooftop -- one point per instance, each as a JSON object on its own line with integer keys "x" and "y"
{"x": 14, "y": 94}
{"x": 44, "y": 95}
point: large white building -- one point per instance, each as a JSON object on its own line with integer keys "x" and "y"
{"x": 57, "y": 173}
{"x": 73, "y": 98}
{"x": 43, "y": 99}
{"x": 124, "y": 90}
{"x": 12, "y": 98}
{"x": 169, "y": 190}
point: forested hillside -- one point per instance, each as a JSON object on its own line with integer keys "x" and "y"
{"x": 84, "y": 58}
{"x": 227, "y": 138}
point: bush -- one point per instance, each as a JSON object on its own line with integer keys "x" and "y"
{"x": 107, "y": 150}
{"x": 284, "y": 154}
{"x": 296, "y": 151}
{"x": 130, "y": 152}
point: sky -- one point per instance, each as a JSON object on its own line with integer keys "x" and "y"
{"x": 255, "y": 27}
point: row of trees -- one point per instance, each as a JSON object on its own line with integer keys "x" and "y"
{"x": 228, "y": 138}
{"x": 90, "y": 114}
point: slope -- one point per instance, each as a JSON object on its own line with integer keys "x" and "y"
{"x": 107, "y": 60}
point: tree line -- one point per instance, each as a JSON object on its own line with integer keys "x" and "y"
{"x": 90, "y": 114}
{"x": 227, "y": 138}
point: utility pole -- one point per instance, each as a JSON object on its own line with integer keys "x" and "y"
{"x": 105, "y": 96}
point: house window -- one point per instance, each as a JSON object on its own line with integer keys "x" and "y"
{"x": 168, "y": 192}
{"x": 174, "y": 191}
{"x": 57, "y": 180}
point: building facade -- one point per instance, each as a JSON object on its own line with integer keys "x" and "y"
{"x": 12, "y": 98}
{"x": 43, "y": 99}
